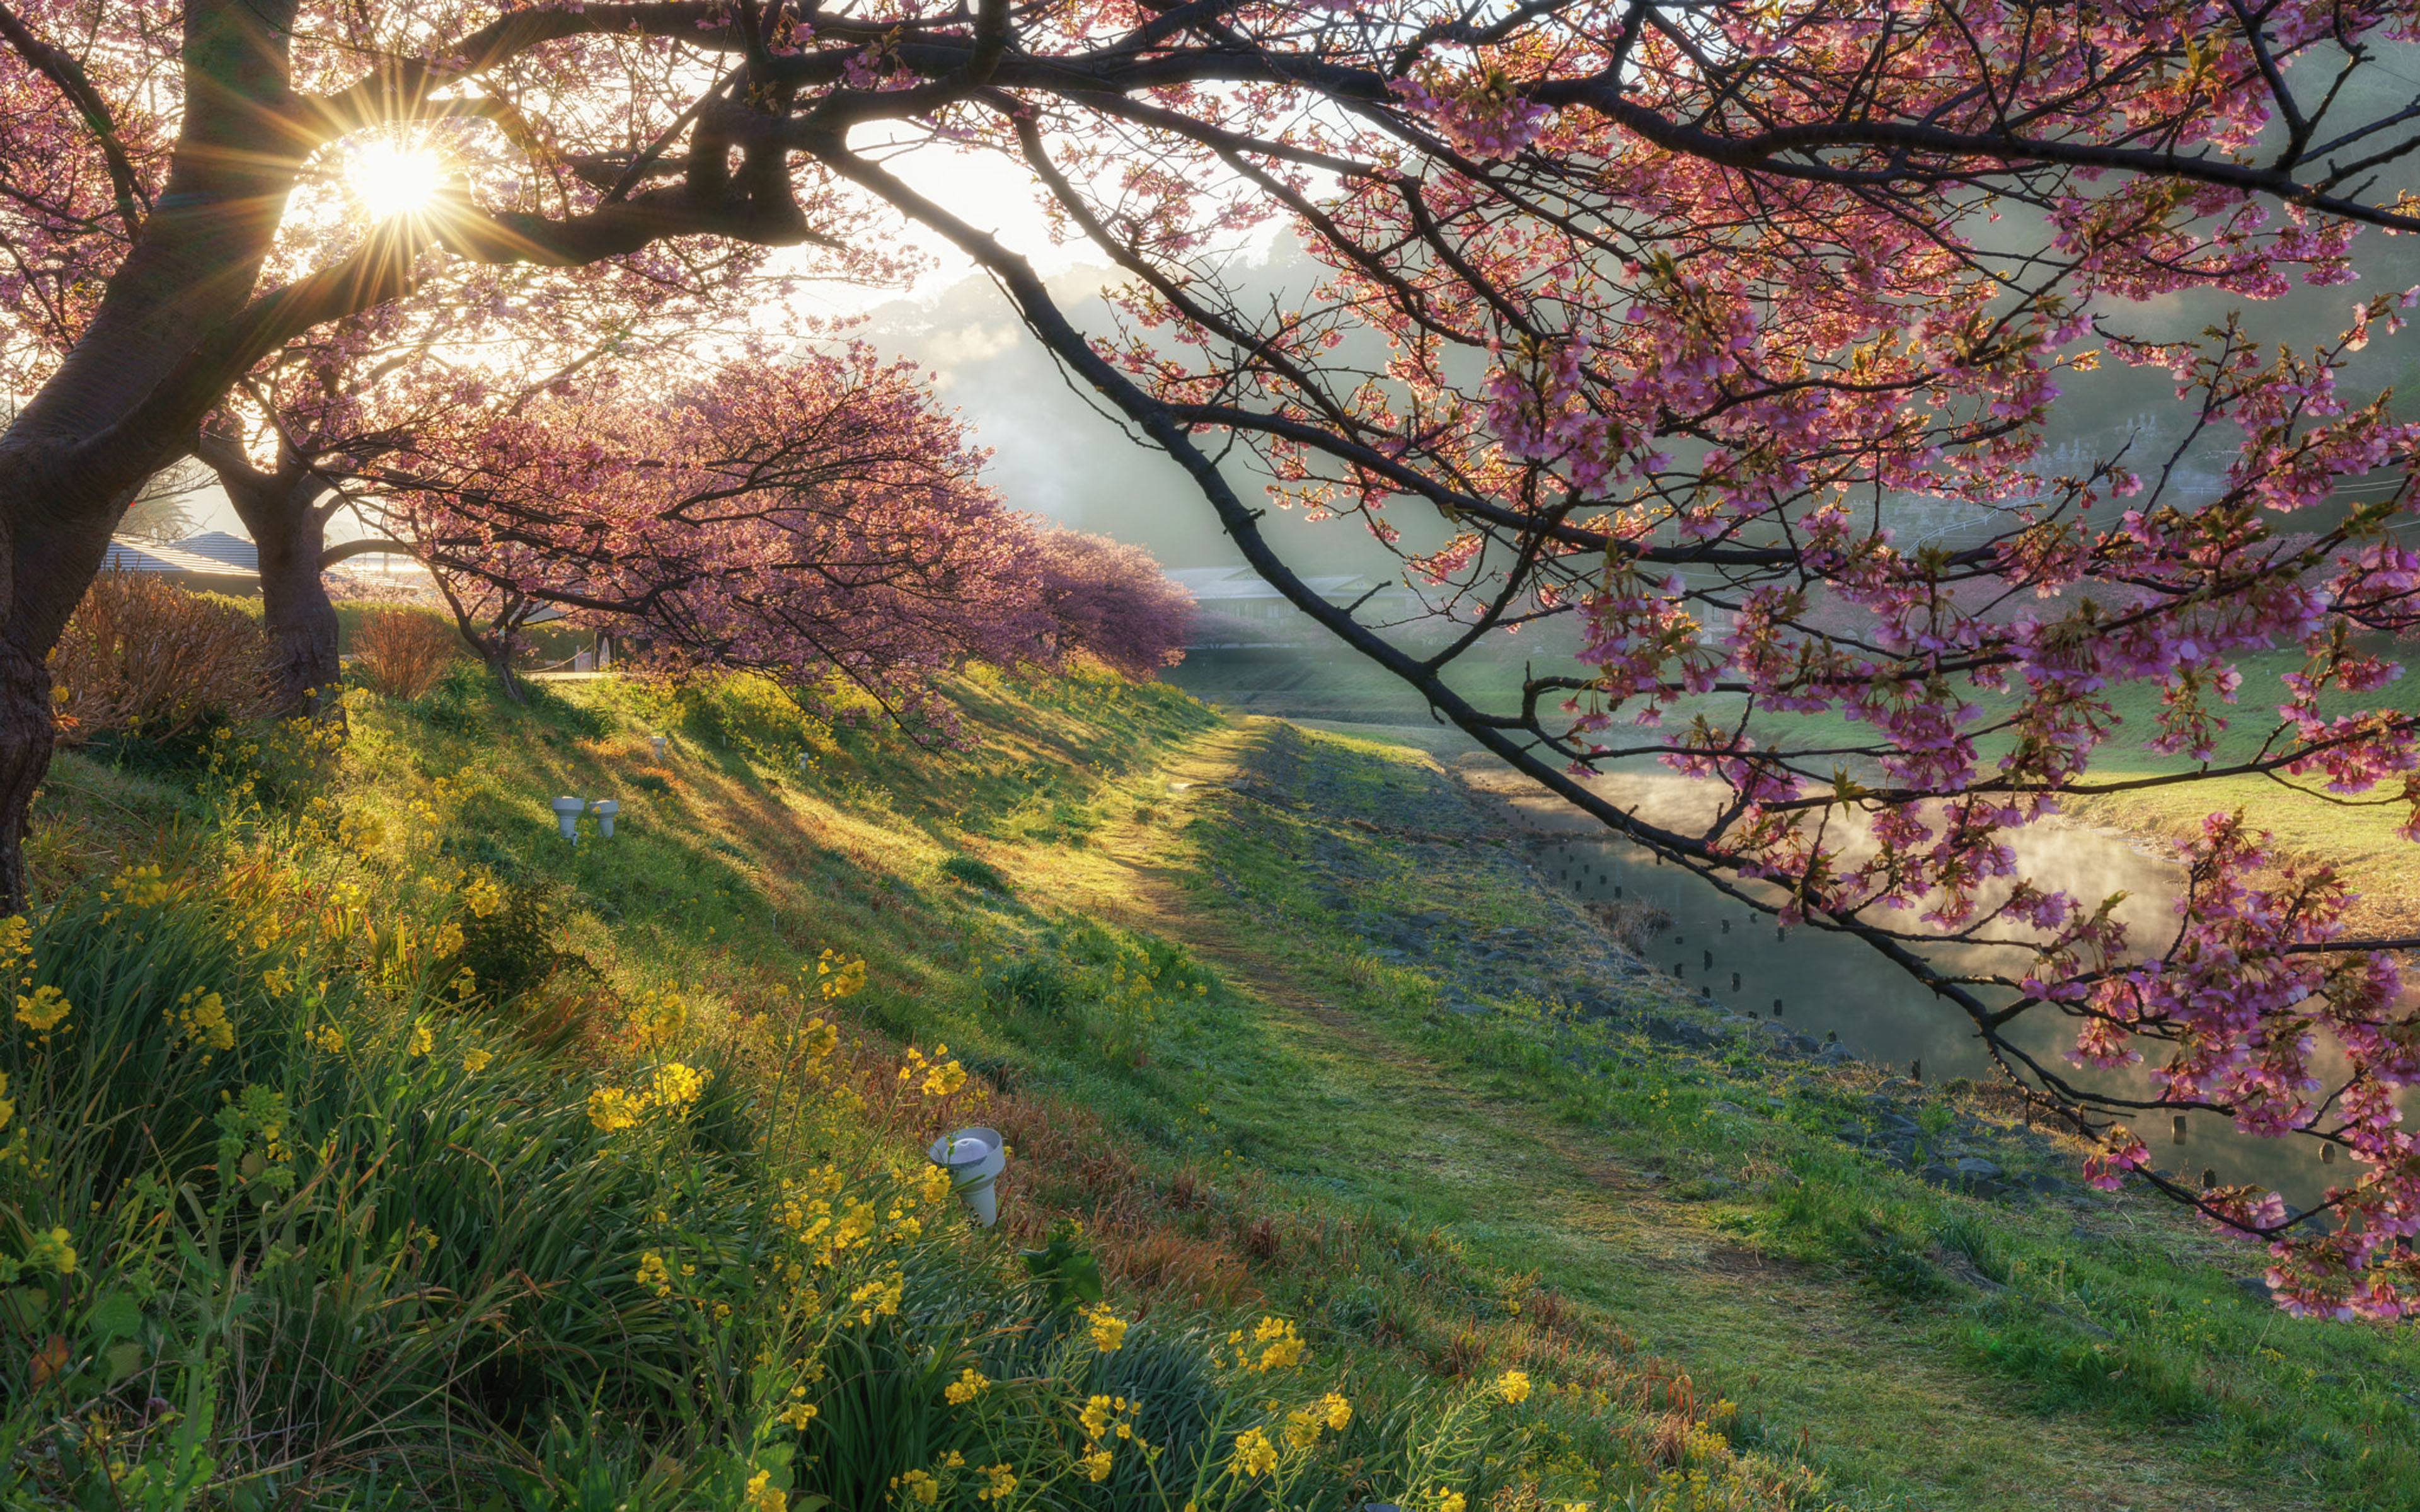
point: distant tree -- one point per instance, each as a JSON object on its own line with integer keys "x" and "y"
{"x": 1648, "y": 307}
{"x": 1111, "y": 601}
{"x": 812, "y": 516}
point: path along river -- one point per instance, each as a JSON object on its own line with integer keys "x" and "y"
{"x": 1824, "y": 984}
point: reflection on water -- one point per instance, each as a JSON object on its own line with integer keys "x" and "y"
{"x": 1822, "y": 984}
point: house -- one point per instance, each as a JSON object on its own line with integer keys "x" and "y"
{"x": 1240, "y": 607}
{"x": 183, "y": 567}
{"x": 220, "y": 547}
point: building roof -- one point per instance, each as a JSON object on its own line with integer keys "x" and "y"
{"x": 220, "y": 547}
{"x": 128, "y": 554}
{"x": 1212, "y": 584}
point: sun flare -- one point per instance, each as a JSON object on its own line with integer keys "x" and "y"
{"x": 390, "y": 180}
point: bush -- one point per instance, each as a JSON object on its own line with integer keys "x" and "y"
{"x": 144, "y": 660}
{"x": 975, "y": 873}
{"x": 401, "y": 654}
{"x": 458, "y": 704}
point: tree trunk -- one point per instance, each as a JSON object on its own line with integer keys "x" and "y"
{"x": 285, "y": 524}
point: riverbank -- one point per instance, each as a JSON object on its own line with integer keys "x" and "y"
{"x": 1747, "y": 1211}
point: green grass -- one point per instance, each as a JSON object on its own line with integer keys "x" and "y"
{"x": 1209, "y": 1084}
{"x": 406, "y": 1155}
{"x": 2110, "y": 1323}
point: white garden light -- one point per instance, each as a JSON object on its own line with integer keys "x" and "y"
{"x": 974, "y": 1159}
{"x": 657, "y": 740}
{"x": 567, "y": 817}
{"x": 605, "y": 809}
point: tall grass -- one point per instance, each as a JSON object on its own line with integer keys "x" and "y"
{"x": 330, "y": 1179}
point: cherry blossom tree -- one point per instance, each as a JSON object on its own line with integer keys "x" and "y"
{"x": 1638, "y": 318}
{"x": 1111, "y": 600}
{"x": 811, "y": 515}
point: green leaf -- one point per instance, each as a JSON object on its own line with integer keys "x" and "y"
{"x": 116, "y": 1316}
{"x": 123, "y": 1360}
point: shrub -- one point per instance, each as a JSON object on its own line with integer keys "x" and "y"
{"x": 144, "y": 660}
{"x": 975, "y": 873}
{"x": 401, "y": 654}
{"x": 458, "y": 704}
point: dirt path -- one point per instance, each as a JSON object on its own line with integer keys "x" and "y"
{"x": 1803, "y": 1347}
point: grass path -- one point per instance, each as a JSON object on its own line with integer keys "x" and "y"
{"x": 1879, "y": 1402}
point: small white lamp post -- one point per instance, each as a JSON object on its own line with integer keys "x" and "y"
{"x": 657, "y": 740}
{"x": 974, "y": 1159}
{"x": 567, "y": 817}
{"x": 605, "y": 809}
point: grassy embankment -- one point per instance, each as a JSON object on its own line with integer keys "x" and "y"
{"x": 2077, "y": 1351}
{"x": 368, "y": 1146}
{"x": 1430, "y": 1197}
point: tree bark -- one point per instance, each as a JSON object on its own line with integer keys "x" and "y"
{"x": 282, "y": 510}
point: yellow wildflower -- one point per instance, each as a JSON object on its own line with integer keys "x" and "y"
{"x": 1340, "y": 1412}
{"x": 447, "y": 940}
{"x": 836, "y": 979}
{"x": 52, "y": 1249}
{"x": 655, "y": 1018}
{"x": 968, "y": 1385}
{"x": 277, "y": 981}
{"x": 999, "y": 1483}
{"x": 1281, "y": 1346}
{"x": 761, "y": 1496}
{"x": 611, "y": 1109}
{"x": 799, "y": 1414}
{"x": 1254, "y": 1454}
{"x": 653, "y": 1275}
{"x": 1513, "y": 1386}
{"x": 676, "y": 1086}
{"x": 327, "y": 1037}
{"x": 1450, "y": 1502}
{"x": 1109, "y": 1330}
{"x": 1099, "y": 1413}
{"x": 7, "y": 1109}
{"x": 1095, "y": 1466}
{"x": 422, "y": 1040}
{"x": 481, "y": 895}
{"x": 202, "y": 1020}
{"x": 476, "y": 1061}
{"x": 43, "y": 1011}
{"x": 920, "y": 1486}
{"x": 16, "y": 938}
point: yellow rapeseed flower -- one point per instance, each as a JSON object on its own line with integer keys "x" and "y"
{"x": 1095, "y": 1466}
{"x": 999, "y": 1483}
{"x": 1108, "y": 1329}
{"x": 52, "y": 1249}
{"x": 327, "y": 1037}
{"x": 277, "y": 981}
{"x": 799, "y": 1414}
{"x": 1281, "y": 1346}
{"x": 1513, "y": 1386}
{"x": 476, "y": 1061}
{"x": 1450, "y": 1502}
{"x": 611, "y": 1109}
{"x": 482, "y": 895}
{"x": 968, "y": 1385}
{"x": 44, "y": 1010}
{"x": 1254, "y": 1454}
{"x": 1340, "y": 1412}
{"x": 422, "y": 1039}
{"x": 7, "y": 1109}
{"x": 920, "y": 1486}
{"x": 762, "y": 1496}
{"x": 676, "y": 1086}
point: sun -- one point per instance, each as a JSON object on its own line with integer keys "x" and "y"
{"x": 390, "y": 178}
